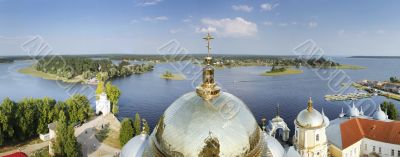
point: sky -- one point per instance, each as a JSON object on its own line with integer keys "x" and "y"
{"x": 264, "y": 27}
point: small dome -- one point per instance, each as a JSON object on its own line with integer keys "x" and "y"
{"x": 341, "y": 115}
{"x": 380, "y": 115}
{"x": 361, "y": 111}
{"x": 353, "y": 111}
{"x": 309, "y": 117}
{"x": 326, "y": 119}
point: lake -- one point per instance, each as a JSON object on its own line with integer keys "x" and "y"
{"x": 150, "y": 95}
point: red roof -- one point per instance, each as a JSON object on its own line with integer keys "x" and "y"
{"x": 17, "y": 154}
{"x": 355, "y": 129}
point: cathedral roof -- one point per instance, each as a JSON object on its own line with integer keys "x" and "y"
{"x": 190, "y": 121}
{"x": 355, "y": 129}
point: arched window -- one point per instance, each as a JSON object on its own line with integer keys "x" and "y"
{"x": 317, "y": 137}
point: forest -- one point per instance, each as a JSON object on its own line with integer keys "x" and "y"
{"x": 70, "y": 67}
{"x": 26, "y": 119}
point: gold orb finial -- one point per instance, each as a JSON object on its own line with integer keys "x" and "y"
{"x": 208, "y": 89}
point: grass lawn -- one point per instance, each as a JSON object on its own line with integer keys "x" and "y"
{"x": 286, "y": 72}
{"x": 33, "y": 72}
{"x": 174, "y": 77}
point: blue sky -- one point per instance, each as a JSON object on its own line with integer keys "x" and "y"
{"x": 269, "y": 27}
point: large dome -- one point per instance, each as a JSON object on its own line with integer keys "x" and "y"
{"x": 191, "y": 124}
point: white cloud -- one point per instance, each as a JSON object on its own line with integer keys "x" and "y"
{"x": 268, "y": 6}
{"x": 226, "y": 27}
{"x": 155, "y": 19}
{"x": 208, "y": 29}
{"x": 381, "y": 31}
{"x": 268, "y": 23}
{"x": 188, "y": 19}
{"x": 174, "y": 31}
{"x": 284, "y": 24}
{"x": 133, "y": 21}
{"x": 244, "y": 8}
{"x": 312, "y": 24}
{"x": 145, "y": 3}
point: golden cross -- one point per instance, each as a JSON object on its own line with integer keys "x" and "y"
{"x": 208, "y": 38}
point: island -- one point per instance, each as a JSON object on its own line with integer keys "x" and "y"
{"x": 170, "y": 76}
{"x": 278, "y": 71}
{"x": 71, "y": 69}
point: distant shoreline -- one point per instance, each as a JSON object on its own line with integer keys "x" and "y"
{"x": 377, "y": 57}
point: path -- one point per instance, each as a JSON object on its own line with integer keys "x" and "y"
{"x": 90, "y": 145}
{"x": 86, "y": 136}
{"x": 28, "y": 149}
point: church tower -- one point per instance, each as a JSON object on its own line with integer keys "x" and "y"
{"x": 310, "y": 136}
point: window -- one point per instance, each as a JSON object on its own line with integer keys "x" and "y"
{"x": 373, "y": 148}
{"x": 380, "y": 151}
{"x": 317, "y": 137}
{"x": 392, "y": 154}
{"x": 398, "y": 153}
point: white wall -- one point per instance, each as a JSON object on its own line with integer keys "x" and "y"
{"x": 386, "y": 148}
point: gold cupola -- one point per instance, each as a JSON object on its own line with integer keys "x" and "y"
{"x": 208, "y": 89}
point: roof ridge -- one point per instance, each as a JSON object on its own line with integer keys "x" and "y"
{"x": 360, "y": 128}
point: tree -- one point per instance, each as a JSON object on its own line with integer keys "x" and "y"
{"x": 7, "y": 112}
{"x": 100, "y": 88}
{"x": 61, "y": 131}
{"x": 136, "y": 124}
{"x": 391, "y": 109}
{"x": 45, "y": 108}
{"x": 72, "y": 147}
{"x": 146, "y": 126}
{"x": 126, "y": 132}
{"x": 26, "y": 118}
{"x": 113, "y": 93}
{"x": 65, "y": 144}
{"x": 78, "y": 108}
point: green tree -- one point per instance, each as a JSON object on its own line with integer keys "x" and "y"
{"x": 45, "y": 108}
{"x": 1, "y": 137}
{"x": 7, "y": 122}
{"x": 78, "y": 108}
{"x": 113, "y": 93}
{"x": 65, "y": 144}
{"x": 136, "y": 124}
{"x": 126, "y": 132}
{"x": 146, "y": 126}
{"x": 100, "y": 88}
{"x": 61, "y": 134}
{"x": 391, "y": 109}
{"x": 72, "y": 147}
{"x": 26, "y": 118}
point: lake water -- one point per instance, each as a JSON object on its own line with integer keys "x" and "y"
{"x": 150, "y": 95}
